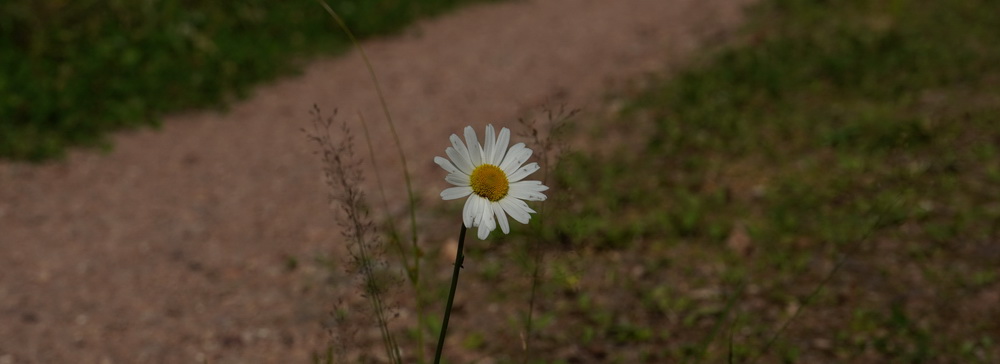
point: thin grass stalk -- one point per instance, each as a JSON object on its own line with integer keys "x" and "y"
{"x": 338, "y": 172}
{"x": 535, "y": 279}
{"x": 730, "y": 304}
{"x": 459, "y": 259}
{"x": 392, "y": 349}
{"x": 393, "y": 231}
{"x": 388, "y": 118}
{"x": 374, "y": 291}
{"x": 826, "y": 280}
{"x": 556, "y": 121}
{"x": 536, "y": 252}
{"x": 414, "y": 273}
{"x": 536, "y": 271}
{"x": 730, "y": 353}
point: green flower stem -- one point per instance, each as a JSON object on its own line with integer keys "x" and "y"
{"x": 459, "y": 258}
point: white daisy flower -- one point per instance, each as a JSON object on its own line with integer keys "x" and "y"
{"x": 491, "y": 176}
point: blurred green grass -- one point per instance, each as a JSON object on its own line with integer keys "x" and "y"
{"x": 856, "y": 132}
{"x": 76, "y": 70}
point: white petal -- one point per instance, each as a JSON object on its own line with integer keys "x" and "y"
{"x": 523, "y": 205}
{"x": 453, "y": 193}
{"x": 486, "y": 224}
{"x": 501, "y": 217}
{"x": 536, "y": 186}
{"x": 460, "y": 159}
{"x": 484, "y": 232}
{"x": 475, "y": 150}
{"x": 490, "y": 142}
{"x": 478, "y": 206}
{"x": 506, "y": 159}
{"x": 522, "y": 172}
{"x": 514, "y": 210}
{"x": 524, "y": 194}
{"x": 487, "y": 217}
{"x": 528, "y": 190}
{"x": 458, "y": 179}
{"x": 467, "y": 212}
{"x": 500, "y": 149}
{"x": 457, "y": 143}
{"x": 475, "y": 210}
{"x": 531, "y": 191}
{"x": 466, "y": 151}
{"x": 446, "y": 164}
{"x": 515, "y": 158}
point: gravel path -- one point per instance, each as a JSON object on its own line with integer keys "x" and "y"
{"x": 173, "y": 248}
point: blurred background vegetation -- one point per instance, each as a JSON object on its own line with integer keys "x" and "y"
{"x": 75, "y": 70}
{"x": 849, "y": 143}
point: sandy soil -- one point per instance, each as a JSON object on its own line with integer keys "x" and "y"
{"x": 173, "y": 248}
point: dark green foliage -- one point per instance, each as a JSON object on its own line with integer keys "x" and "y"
{"x": 75, "y": 70}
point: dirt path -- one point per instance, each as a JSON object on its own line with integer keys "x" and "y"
{"x": 173, "y": 248}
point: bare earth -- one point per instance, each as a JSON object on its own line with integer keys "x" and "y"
{"x": 173, "y": 248}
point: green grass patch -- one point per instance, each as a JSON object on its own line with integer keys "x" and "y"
{"x": 861, "y": 133}
{"x": 76, "y": 70}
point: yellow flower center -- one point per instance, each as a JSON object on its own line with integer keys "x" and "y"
{"x": 490, "y": 182}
